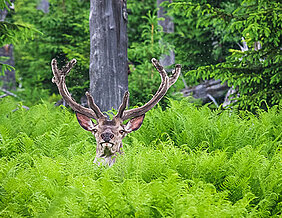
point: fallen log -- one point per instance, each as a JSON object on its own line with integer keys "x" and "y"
{"x": 207, "y": 91}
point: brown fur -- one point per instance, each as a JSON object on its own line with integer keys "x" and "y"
{"x": 106, "y": 152}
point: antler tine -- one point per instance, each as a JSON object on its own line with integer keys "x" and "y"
{"x": 66, "y": 69}
{"x": 123, "y": 105}
{"x": 55, "y": 71}
{"x": 164, "y": 86}
{"x": 175, "y": 74}
{"x": 59, "y": 79}
{"x": 162, "y": 72}
{"x": 94, "y": 107}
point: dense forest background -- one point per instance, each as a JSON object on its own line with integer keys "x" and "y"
{"x": 189, "y": 159}
{"x": 207, "y": 41}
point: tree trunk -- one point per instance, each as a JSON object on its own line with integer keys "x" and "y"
{"x": 168, "y": 27}
{"x": 108, "y": 52}
{"x": 207, "y": 91}
{"x": 43, "y": 6}
{"x": 9, "y": 79}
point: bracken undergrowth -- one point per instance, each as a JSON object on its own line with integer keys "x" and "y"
{"x": 183, "y": 162}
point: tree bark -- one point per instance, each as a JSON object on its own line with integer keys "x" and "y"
{"x": 108, "y": 52}
{"x": 207, "y": 90}
{"x": 168, "y": 27}
{"x": 43, "y": 6}
{"x": 9, "y": 79}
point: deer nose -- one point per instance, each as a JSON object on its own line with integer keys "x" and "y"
{"x": 107, "y": 136}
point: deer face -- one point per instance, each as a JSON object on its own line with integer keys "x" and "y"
{"x": 109, "y": 133}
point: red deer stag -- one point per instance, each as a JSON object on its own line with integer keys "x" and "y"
{"x": 109, "y": 133}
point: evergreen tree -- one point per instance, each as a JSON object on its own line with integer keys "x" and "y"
{"x": 256, "y": 73}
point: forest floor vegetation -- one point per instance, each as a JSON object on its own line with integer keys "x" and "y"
{"x": 184, "y": 161}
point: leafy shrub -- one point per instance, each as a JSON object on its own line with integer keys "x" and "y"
{"x": 256, "y": 73}
{"x": 65, "y": 36}
{"x": 144, "y": 80}
{"x": 197, "y": 44}
{"x": 183, "y": 162}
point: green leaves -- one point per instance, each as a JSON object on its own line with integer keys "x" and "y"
{"x": 144, "y": 79}
{"x": 4, "y": 4}
{"x": 12, "y": 33}
{"x": 183, "y": 161}
{"x": 5, "y": 67}
{"x": 65, "y": 36}
{"x": 256, "y": 71}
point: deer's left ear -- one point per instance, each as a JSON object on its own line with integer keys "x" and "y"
{"x": 85, "y": 122}
{"x": 134, "y": 123}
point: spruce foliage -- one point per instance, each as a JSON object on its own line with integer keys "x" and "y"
{"x": 12, "y": 33}
{"x": 256, "y": 72}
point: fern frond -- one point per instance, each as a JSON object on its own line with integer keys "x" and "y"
{"x": 12, "y": 33}
{"x": 5, "y": 67}
{"x": 4, "y": 4}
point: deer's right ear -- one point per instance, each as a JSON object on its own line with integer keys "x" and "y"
{"x": 85, "y": 122}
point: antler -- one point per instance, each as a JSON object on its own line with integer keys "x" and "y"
{"x": 95, "y": 112}
{"x": 59, "y": 79}
{"x": 166, "y": 83}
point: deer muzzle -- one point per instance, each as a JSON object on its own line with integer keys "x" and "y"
{"x": 107, "y": 136}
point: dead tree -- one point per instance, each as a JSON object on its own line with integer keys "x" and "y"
{"x": 108, "y": 70}
{"x": 207, "y": 91}
{"x": 167, "y": 27}
{"x": 9, "y": 78}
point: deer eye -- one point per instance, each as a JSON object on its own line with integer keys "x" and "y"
{"x": 94, "y": 130}
{"x": 121, "y": 131}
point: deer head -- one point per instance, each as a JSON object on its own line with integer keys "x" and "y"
{"x": 109, "y": 133}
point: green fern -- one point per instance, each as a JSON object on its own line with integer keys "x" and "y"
{"x": 184, "y": 161}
